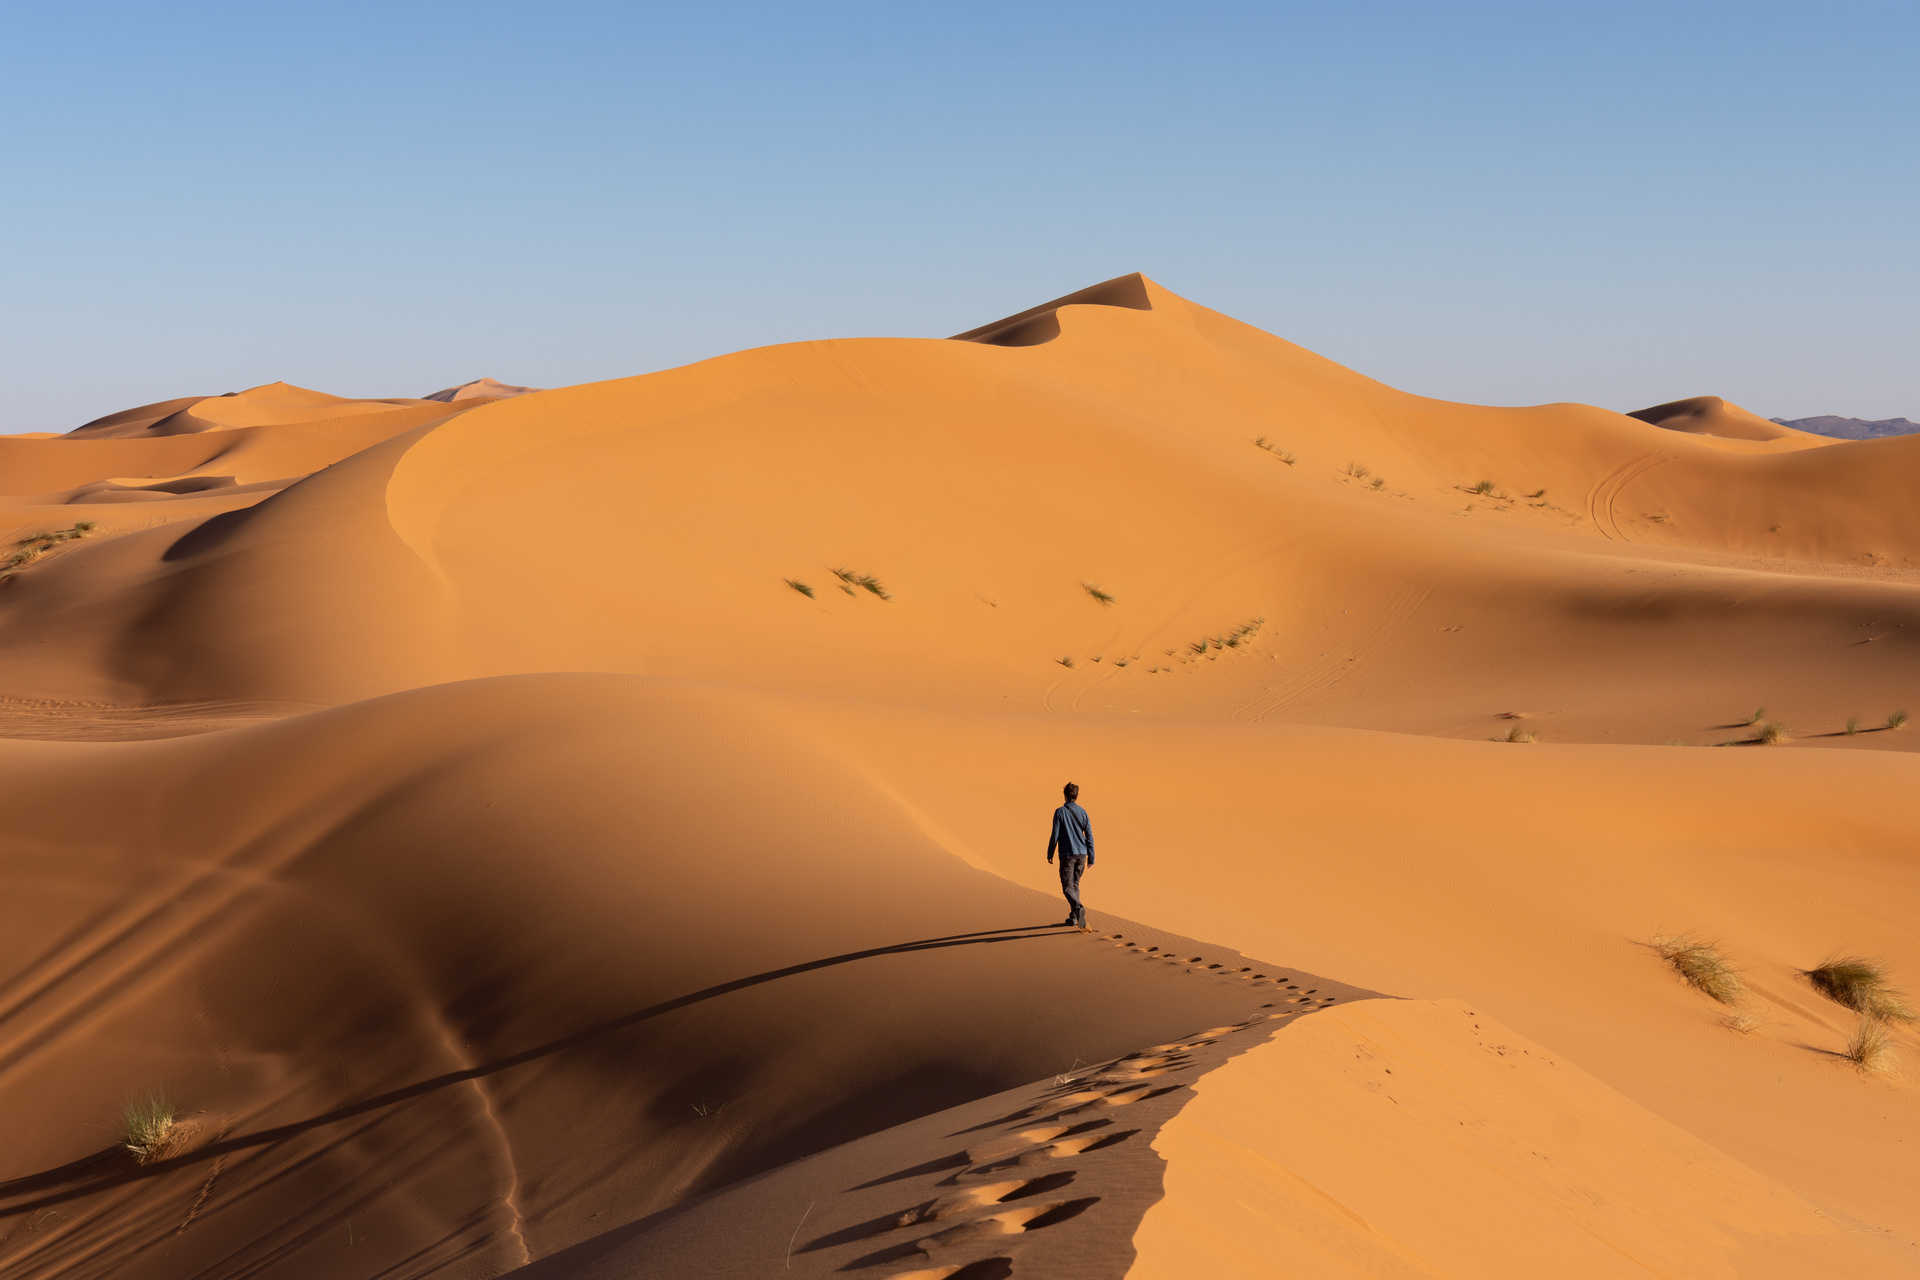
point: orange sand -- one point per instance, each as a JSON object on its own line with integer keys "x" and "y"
{"x": 405, "y": 787}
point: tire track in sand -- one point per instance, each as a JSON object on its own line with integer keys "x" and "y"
{"x": 1601, "y": 499}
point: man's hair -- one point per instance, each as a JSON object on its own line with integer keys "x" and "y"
{"x": 1073, "y": 792}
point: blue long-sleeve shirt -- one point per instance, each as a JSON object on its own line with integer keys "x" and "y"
{"x": 1072, "y": 833}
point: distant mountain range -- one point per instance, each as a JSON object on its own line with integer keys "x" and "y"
{"x": 1851, "y": 428}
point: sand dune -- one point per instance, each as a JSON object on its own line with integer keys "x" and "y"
{"x": 714, "y": 950}
{"x": 478, "y": 389}
{"x": 273, "y": 404}
{"x": 1712, "y": 416}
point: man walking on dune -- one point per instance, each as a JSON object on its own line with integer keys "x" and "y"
{"x": 1073, "y": 837}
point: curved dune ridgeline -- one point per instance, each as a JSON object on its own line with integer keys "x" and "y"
{"x": 595, "y": 830}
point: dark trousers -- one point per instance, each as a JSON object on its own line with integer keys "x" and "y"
{"x": 1070, "y": 869}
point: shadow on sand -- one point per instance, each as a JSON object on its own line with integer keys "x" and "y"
{"x": 110, "y": 1168}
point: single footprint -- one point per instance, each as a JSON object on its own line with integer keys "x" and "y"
{"x": 959, "y": 1202}
{"x": 1088, "y": 1142}
{"x": 1001, "y": 1148}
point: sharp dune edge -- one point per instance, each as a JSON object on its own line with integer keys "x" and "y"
{"x": 450, "y": 806}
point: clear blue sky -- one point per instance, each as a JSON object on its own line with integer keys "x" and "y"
{"x": 1620, "y": 203}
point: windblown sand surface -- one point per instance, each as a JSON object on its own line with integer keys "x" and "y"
{"x": 597, "y": 830}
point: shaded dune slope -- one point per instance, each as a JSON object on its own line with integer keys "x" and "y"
{"x": 495, "y": 942}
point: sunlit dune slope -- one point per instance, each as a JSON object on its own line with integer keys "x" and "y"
{"x": 1403, "y": 1140}
{"x": 506, "y": 957}
{"x": 1197, "y": 473}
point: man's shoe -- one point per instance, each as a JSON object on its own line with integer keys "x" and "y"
{"x": 1070, "y": 921}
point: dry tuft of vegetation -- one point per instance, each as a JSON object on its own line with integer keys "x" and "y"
{"x": 1702, "y": 965}
{"x": 1853, "y": 725}
{"x": 1232, "y": 640}
{"x": 1097, "y": 593}
{"x": 1897, "y": 720}
{"x": 152, "y": 1129}
{"x": 1484, "y": 488}
{"x": 30, "y": 548}
{"x": 1358, "y": 471}
{"x": 1771, "y": 734}
{"x": 1262, "y": 442}
{"x": 1744, "y": 1023}
{"x": 801, "y": 587}
{"x": 1065, "y": 662}
{"x": 1862, "y": 986}
{"x": 1518, "y": 734}
{"x": 1759, "y": 714}
{"x": 849, "y": 580}
{"x": 1871, "y": 1048}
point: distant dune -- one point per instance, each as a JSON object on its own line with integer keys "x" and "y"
{"x": 478, "y": 389}
{"x": 1712, "y": 416}
{"x": 596, "y": 833}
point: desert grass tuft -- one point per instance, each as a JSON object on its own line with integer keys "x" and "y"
{"x": 1759, "y": 714}
{"x": 1097, "y": 593}
{"x": 801, "y": 587}
{"x": 1871, "y": 1048}
{"x": 1862, "y": 986}
{"x": 1771, "y": 734}
{"x": 1519, "y": 734}
{"x": 151, "y": 1129}
{"x": 1379, "y": 482}
{"x": 1484, "y": 487}
{"x": 1702, "y": 965}
{"x": 1853, "y": 725}
{"x": 1065, "y": 662}
{"x": 1897, "y": 720}
{"x": 34, "y": 545}
{"x": 849, "y": 580}
{"x": 1358, "y": 471}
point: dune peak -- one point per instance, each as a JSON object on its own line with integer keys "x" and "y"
{"x": 1041, "y": 324}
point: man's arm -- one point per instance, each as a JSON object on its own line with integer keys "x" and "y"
{"x": 1053, "y": 836}
{"x": 1089, "y": 839}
